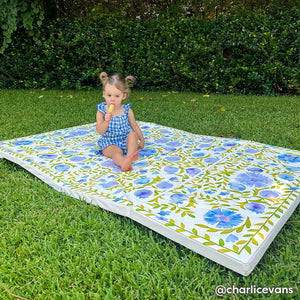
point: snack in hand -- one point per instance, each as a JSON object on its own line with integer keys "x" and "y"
{"x": 111, "y": 108}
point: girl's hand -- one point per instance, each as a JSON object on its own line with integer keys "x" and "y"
{"x": 107, "y": 117}
{"x": 141, "y": 144}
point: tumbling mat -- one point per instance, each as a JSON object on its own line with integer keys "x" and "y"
{"x": 225, "y": 199}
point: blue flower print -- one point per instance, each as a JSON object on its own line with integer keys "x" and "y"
{"x": 93, "y": 152}
{"x": 192, "y": 171}
{"x": 173, "y": 158}
{"x": 22, "y": 143}
{"x": 162, "y": 141}
{"x": 254, "y": 179}
{"x": 162, "y": 214}
{"x": 118, "y": 199}
{"x": 146, "y": 132}
{"x": 237, "y": 186}
{"x": 223, "y": 218}
{"x": 57, "y": 133}
{"x": 164, "y": 185}
{"x": 77, "y": 158}
{"x": 294, "y": 169}
{"x": 62, "y": 168}
{"x": 286, "y": 177}
{"x": 259, "y": 170}
{"x": 110, "y": 184}
{"x": 81, "y": 180}
{"x": 108, "y": 164}
{"x": 198, "y": 154}
{"x": 143, "y": 193}
{"x": 69, "y": 152}
{"x": 171, "y": 170}
{"x": 48, "y": 156}
{"x": 76, "y": 133}
{"x": 205, "y": 145}
{"x": 207, "y": 139}
{"x": 148, "y": 144}
{"x": 251, "y": 151}
{"x": 174, "y": 144}
{"x": 269, "y": 194}
{"x": 258, "y": 208}
{"x": 141, "y": 164}
{"x": 142, "y": 171}
{"x": 170, "y": 149}
{"x": 219, "y": 149}
{"x": 211, "y": 160}
{"x": 230, "y": 144}
{"x": 209, "y": 192}
{"x": 232, "y": 238}
{"x": 147, "y": 152}
{"x": 166, "y": 132}
{"x": 142, "y": 180}
{"x": 224, "y": 193}
{"x": 178, "y": 198}
{"x": 89, "y": 145}
{"x": 40, "y": 137}
{"x": 289, "y": 158}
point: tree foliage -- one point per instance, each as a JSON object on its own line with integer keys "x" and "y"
{"x": 147, "y": 9}
{"x": 213, "y": 8}
{"x": 212, "y": 46}
{"x": 28, "y": 14}
{"x": 257, "y": 53}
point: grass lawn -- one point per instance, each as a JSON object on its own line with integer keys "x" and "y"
{"x": 56, "y": 247}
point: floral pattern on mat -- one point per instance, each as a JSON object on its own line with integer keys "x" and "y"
{"x": 226, "y": 194}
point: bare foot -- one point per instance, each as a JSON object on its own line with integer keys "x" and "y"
{"x": 128, "y": 160}
{"x": 134, "y": 156}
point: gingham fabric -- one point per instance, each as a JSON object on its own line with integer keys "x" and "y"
{"x": 117, "y": 130}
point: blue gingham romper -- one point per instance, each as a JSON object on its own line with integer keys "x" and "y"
{"x": 117, "y": 130}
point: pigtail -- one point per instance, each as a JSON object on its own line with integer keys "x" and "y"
{"x": 103, "y": 77}
{"x": 130, "y": 79}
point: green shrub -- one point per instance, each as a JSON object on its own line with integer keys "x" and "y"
{"x": 250, "y": 54}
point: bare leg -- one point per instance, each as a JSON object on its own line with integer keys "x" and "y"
{"x": 132, "y": 143}
{"x": 116, "y": 154}
{"x": 132, "y": 152}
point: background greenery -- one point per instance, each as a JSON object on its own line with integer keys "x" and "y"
{"x": 229, "y": 51}
{"x": 56, "y": 247}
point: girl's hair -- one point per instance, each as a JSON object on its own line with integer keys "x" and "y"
{"x": 118, "y": 81}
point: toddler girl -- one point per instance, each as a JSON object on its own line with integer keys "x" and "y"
{"x": 121, "y": 137}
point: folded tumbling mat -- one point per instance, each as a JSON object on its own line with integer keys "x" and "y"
{"x": 225, "y": 199}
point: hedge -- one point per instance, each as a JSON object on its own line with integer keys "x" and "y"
{"x": 250, "y": 54}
